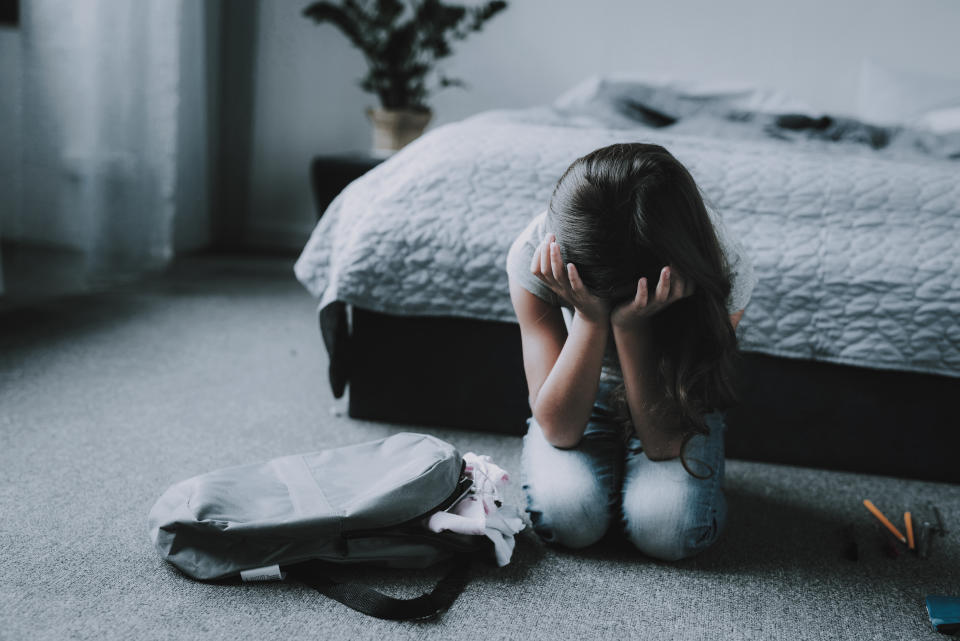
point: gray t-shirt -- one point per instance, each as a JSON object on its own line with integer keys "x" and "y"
{"x": 521, "y": 255}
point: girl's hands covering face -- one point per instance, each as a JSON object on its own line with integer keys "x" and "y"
{"x": 547, "y": 265}
{"x": 634, "y": 313}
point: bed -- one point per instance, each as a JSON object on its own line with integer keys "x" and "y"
{"x": 851, "y": 342}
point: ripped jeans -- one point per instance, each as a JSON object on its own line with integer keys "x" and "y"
{"x": 574, "y": 495}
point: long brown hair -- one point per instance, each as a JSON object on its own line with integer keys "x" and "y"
{"x": 623, "y": 212}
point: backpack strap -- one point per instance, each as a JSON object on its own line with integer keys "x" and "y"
{"x": 374, "y": 603}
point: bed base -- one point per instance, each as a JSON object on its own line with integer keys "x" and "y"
{"x": 467, "y": 373}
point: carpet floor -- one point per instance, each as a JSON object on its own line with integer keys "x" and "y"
{"x": 108, "y": 399}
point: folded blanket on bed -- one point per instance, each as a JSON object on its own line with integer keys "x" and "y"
{"x": 855, "y": 249}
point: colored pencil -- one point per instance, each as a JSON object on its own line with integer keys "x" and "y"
{"x": 890, "y": 526}
{"x": 908, "y": 522}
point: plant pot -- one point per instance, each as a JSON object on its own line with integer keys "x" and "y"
{"x": 394, "y": 128}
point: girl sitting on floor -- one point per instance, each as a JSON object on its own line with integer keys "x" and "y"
{"x": 628, "y": 397}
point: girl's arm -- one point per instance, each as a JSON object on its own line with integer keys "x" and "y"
{"x": 565, "y": 400}
{"x": 662, "y": 436}
{"x": 735, "y": 319}
{"x": 562, "y": 370}
{"x": 661, "y": 440}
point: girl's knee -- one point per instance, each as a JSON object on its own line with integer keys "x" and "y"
{"x": 574, "y": 517}
{"x": 567, "y": 503}
{"x": 673, "y": 522}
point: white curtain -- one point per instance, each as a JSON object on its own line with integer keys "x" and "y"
{"x": 100, "y": 90}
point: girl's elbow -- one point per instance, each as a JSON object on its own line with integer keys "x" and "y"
{"x": 564, "y": 442}
{"x": 561, "y": 437}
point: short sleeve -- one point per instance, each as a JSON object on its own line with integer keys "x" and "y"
{"x": 521, "y": 255}
{"x": 742, "y": 278}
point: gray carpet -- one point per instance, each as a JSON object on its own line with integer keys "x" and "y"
{"x": 107, "y": 400}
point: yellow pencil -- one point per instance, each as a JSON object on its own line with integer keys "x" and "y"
{"x": 877, "y": 513}
{"x": 908, "y": 521}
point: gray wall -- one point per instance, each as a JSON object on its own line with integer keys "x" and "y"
{"x": 265, "y": 89}
{"x": 306, "y": 101}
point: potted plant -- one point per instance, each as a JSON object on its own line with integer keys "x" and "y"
{"x": 401, "y": 49}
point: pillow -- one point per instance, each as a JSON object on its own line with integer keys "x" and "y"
{"x": 941, "y": 121}
{"x": 889, "y": 96}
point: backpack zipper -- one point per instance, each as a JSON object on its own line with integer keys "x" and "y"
{"x": 463, "y": 486}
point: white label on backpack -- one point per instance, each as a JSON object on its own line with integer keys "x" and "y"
{"x": 266, "y": 573}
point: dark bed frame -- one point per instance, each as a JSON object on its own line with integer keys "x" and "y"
{"x": 468, "y": 373}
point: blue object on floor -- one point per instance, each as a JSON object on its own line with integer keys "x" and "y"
{"x": 944, "y": 613}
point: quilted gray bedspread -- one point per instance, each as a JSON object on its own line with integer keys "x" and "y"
{"x": 856, "y": 250}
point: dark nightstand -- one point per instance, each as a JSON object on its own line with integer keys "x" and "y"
{"x": 330, "y": 174}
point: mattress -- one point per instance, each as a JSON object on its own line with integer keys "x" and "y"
{"x": 855, "y": 248}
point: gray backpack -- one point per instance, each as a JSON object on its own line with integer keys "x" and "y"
{"x": 364, "y": 503}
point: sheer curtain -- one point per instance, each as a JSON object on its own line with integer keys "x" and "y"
{"x": 99, "y": 90}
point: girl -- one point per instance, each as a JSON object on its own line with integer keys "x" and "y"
{"x": 628, "y": 396}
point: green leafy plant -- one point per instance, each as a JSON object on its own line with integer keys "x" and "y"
{"x": 402, "y": 49}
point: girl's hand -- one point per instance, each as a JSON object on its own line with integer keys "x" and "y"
{"x": 547, "y": 265}
{"x": 634, "y": 313}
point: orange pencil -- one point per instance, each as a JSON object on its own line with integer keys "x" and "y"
{"x": 908, "y": 521}
{"x": 877, "y": 513}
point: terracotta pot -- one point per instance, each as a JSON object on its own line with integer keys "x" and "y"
{"x": 394, "y": 128}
